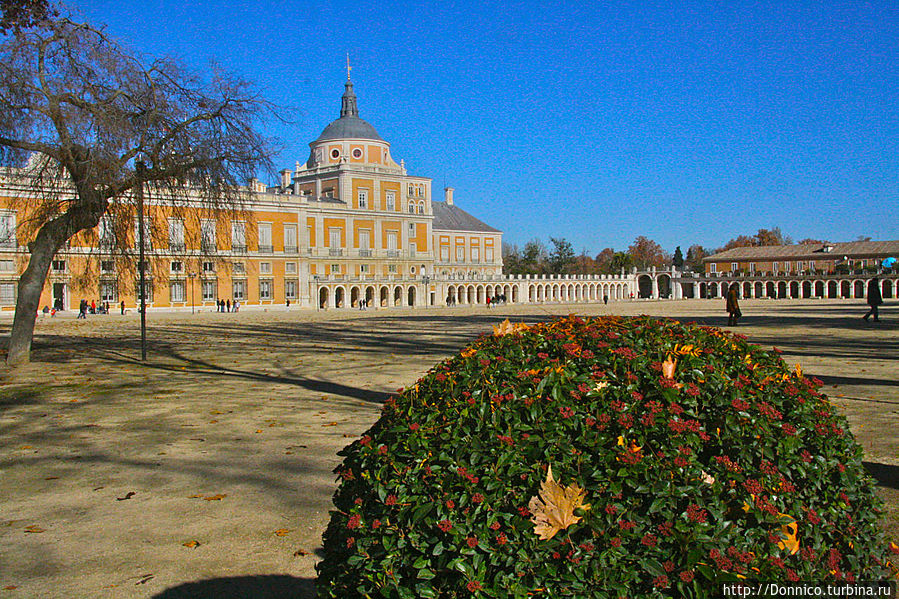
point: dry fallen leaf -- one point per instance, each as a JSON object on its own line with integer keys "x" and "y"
{"x": 282, "y": 532}
{"x": 217, "y": 497}
{"x": 191, "y": 544}
{"x": 34, "y": 528}
{"x": 330, "y": 424}
{"x": 128, "y": 495}
{"x": 556, "y": 510}
{"x": 12, "y": 587}
{"x": 507, "y": 328}
{"x": 668, "y": 367}
{"x": 195, "y": 496}
{"x": 300, "y": 553}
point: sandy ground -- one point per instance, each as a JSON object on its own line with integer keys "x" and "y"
{"x": 206, "y": 472}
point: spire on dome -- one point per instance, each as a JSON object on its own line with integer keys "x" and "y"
{"x": 348, "y": 105}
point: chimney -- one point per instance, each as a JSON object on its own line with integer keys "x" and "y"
{"x": 448, "y": 194}
{"x": 254, "y": 184}
{"x": 285, "y": 178}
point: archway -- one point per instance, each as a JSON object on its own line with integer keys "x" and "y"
{"x": 411, "y": 297}
{"x": 759, "y": 289}
{"x": 339, "y": 297}
{"x": 819, "y": 288}
{"x": 832, "y": 290}
{"x": 794, "y": 289}
{"x": 644, "y": 286}
{"x": 663, "y": 282}
{"x": 397, "y": 296}
{"x": 703, "y": 290}
{"x": 886, "y": 290}
{"x": 782, "y": 290}
{"x": 806, "y": 289}
{"x": 845, "y": 289}
{"x": 385, "y": 296}
{"x": 369, "y": 296}
{"x": 770, "y": 292}
{"x": 323, "y": 297}
{"x": 354, "y": 296}
{"x": 859, "y": 290}
{"x": 471, "y": 292}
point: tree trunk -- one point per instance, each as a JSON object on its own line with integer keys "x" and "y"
{"x": 31, "y": 283}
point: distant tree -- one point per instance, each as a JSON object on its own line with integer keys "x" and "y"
{"x": 811, "y": 241}
{"x": 583, "y": 264}
{"x": 620, "y": 261}
{"x": 645, "y": 253}
{"x": 695, "y": 254}
{"x": 678, "y": 259}
{"x": 742, "y": 241}
{"x": 533, "y": 258}
{"x": 77, "y": 108}
{"x": 24, "y": 14}
{"x": 603, "y": 261}
{"x": 862, "y": 238}
{"x": 511, "y": 259}
{"x": 561, "y": 256}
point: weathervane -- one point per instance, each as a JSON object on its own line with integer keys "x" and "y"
{"x": 348, "y": 67}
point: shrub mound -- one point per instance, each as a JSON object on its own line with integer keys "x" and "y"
{"x": 602, "y": 457}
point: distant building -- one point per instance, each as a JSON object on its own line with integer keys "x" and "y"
{"x": 348, "y": 225}
{"x": 826, "y": 258}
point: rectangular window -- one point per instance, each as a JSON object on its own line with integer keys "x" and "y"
{"x": 752, "y": 267}
{"x": 391, "y": 268}
{"x": 107, "y": 266}
{"x": 209, "y": 291}
{"x": 391, "y": 243}
{"x": 265, "y": 268}
{"x": 8, "y": 229}
{"x": 774, "y": 267}
{"x": 207, "y": 235}
{"x": 239, "y": 290}
{"x": 177, "y": 266}
{"x": 390, "y": 200}
{"x": 411, "y": 189}
{"x": 713, "y": 267}
{"x": 176, "y": 235}
{"x": 335, "y": 269}
{"x": 488, "y": 255}
{"x": 109, "y": 291}
{"x": 7, "y": 293}
{"x": 444, "y": 253}
{"x": 364, "y": 241}
{"x": 208, "y": 266}
{"x": 265, "y": 290}
{"x": 364, "y": 269}
{"x": 148, "y": 238}
{"x": 58, "y": 265}
{"x": 333, "y": 237}
{"x": 148, "y": 287}
{"x": 413, "y": 247}
{"x": 290, "y": 289}
{"x": 7, "y": 266}
{"x": 176, "y": 291}
{"x": 460, "y": 254}
{"x": 106, "y": 233}
{"x": 290, "y": 268}
{"x": 734, "y": 267}
{"x": 290, "y": 239}
{"x": 363, "y": 198}
{"x": 265, "y": 238}
{"x": 475, "y": 254}
{"x": 238, "y": 237}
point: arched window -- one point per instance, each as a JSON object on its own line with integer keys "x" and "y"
{"x": 411, "y": 208}
{"x": 421, "y": 207}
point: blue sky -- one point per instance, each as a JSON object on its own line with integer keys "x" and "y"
{"x": 686, "y": 122}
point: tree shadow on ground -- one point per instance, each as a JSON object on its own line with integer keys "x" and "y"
{"x": 269, "y": 586}
{"x": 886, "y": 475}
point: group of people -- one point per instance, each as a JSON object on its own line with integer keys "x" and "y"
{"x": 229, "y": 306}
{"x": 84, "y": 308}
{"x": 732, "y": 304}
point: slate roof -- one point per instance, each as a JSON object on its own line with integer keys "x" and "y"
{"x": 816, "y": 251}
{"x": 349, "y": 127}
{"x": 452, "y": 218}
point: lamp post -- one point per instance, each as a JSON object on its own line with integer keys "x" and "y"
{"x": 190, "y": 277}
{"x": 141, "y": 166}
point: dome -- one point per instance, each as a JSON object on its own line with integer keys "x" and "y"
{"x": 349, "y": 127}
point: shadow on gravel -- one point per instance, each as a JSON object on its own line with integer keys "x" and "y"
{"x": 273, "y": 586}
{"x": 886, "y": 475}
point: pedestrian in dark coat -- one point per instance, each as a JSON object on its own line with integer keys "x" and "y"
{"x": 874, "y": 298}
{"x": 732, "y": 305}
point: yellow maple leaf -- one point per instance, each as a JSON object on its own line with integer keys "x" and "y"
{"x": 554, "y": 509}
{"x": 798, "y": 371}
{"x": 469, "y": 352}
{"x": 191, "y": 544}
{"x": 282, "y": 532}
{"x": 790, "y": 541}
{"x": 507, "y": 328}
{"x": 668, "y": 367}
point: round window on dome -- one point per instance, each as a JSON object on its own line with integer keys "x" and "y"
{"x": 335, "y": 153}
{"x": 357, "y": 153}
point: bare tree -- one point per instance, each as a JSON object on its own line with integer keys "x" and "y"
{"x": 77, "y": 108}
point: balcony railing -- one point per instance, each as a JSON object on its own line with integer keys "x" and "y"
{"x": 393, "y": 253}
{"x": 208, "y": 247}
{"x": 365, "y": 253}
{"x": 335, "y": 251}
{"x": 239, "y": 249}
{"x": 177, "y": 248}
{"x": 266, "y": 249}
{"x": 289, "y": 249}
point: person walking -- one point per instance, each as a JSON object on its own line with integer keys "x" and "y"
{"x": 732, "y": 305}
{"x": 874, "y": 298}
{"x": 122, "y": 306}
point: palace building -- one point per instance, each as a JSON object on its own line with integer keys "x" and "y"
{"x": 348, "y": 225}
